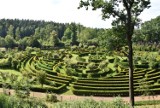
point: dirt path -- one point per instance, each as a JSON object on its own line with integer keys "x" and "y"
{"x": 73, "y": 97}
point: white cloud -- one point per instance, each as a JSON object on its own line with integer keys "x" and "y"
{"x": 62, "y": 11}
{"x": 152, "y": 12}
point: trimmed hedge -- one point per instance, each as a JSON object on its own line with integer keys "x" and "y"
{"x": 48, "y": 88}
{"x": 141, "y": 65}
{"x": 104, "y": 81}
{"x": 101, "y": 92}
{"x": 44, "y": 65}
{"x": 51, "y": 72}
{"x": 105, "y": 85}
{"x": 79, "y": 87}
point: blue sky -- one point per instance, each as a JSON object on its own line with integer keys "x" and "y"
{"x": 64, "y": 11}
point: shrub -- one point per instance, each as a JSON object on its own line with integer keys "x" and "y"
{"x": 119, "y": 103}
{"x": 80, "y": 59}
{"x": 14, "y": 102}
{"x": 1, "y": 55}
{"x": 90, "y": 103}
{"x": 51, "y": 97}
{"x": 55, "y": 56}
{"x": 41, "y": 77}
{"x": 103, "y": 64}
{"x": 91, "y": 66}
{"x": 73, "y": 48}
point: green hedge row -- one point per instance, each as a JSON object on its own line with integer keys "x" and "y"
{"x": 154, "y": 78}
{"x": 48, "y": 88}
{"x": 79, "y": 87}
{"x": 153, "y": 71}
{"x": 58, "y": 80}
{"x": 153, "y": 74}
{"x": 95, "y": 60}
{"x": 110, "y": 93}
{"x": 141, "y": 70}
{"x": 105, "y": 85}
{"x": 23, "y": 62}
{"x": 44, "y": 66}
{"x": 51, "y": 60}
{"x": 55, "y": 79}
{"x": 60, "y": 85}
{"x": 91, "y": 86}
{"x": 60, "y": 77}
{"x": 102, "y": 81}
{"x": 100, "y": 92}
{"x": 46, "y": 70}
{"x": 50, "y": 64}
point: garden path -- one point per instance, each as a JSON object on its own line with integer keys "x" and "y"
{"x": 73, "y": 97}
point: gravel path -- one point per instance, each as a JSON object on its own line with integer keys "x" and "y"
{"x": 74, "y": 97}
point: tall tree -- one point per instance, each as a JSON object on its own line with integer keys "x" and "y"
{"x": 86, "y": 34}
{"x": 125, "y": 12}
{"x": 17, "y": 33}
{"x": 11, "y": 31}
{"x": 67, "y": 34}
{"x": 73, "y": 28}
{"x": 112, "y": 39}
{"x": 10, "y": 42}
{"x": 54, "y": 40}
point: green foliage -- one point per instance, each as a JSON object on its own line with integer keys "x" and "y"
{"x": 119, "y": 103}
{"x": 14, "y": 102}
{"x": 113, "y": 39}
{"x": 5, "y": 83}
{"x": 54, "y": 41}
{"x": 5, "y": 63}
{"x": 2, "y": 42}
{"x": 51, "y": 97}
{"x": 144, "y": 87}
{"x": 21, "y": 87}
{"x": 90, "y": 103}
{"x": 86, "y": 34}
{"x": 91, "y": 66}
{"x": 10, "y": 42}
{"x": 103, "y": 64}
{"x": 1, "y": 55}
{"x": 70, "y": 72}
{"x": 149, "y": 32}
{"x": 80, "y": 59}
{"x": 41, "y": 77}
{"x": 148, "y": 102}
{"x": 33, "y": 42}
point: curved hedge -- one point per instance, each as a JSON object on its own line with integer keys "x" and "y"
{"x": 88, "y": 81}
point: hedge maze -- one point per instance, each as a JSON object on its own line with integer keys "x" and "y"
{"x": 89, "y": 73}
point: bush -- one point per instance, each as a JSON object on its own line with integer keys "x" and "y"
{"x": 103, "y": 64}
{"x": 1, "y": 55}
{"x": 119, "y": 103}
{"x": 80, "y": 59}
{"x": 51, "y": 97}
{"x": 91, "y": 66}
{"x": 90, "y": 103}
{"x": 14, "y": 102}
{"x": 55, "y": 56}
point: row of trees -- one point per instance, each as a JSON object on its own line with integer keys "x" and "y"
{"x": 28, "y": 32}
{"x": 149, "y": 31}
{"x": 40, "y": 33}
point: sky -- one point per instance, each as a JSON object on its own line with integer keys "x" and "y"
{"x": 63, "y": 11}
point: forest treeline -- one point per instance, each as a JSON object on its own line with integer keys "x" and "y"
{"x": 23, "y": 33}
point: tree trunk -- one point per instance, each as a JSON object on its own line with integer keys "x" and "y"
{"x": 131, "y": 85}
